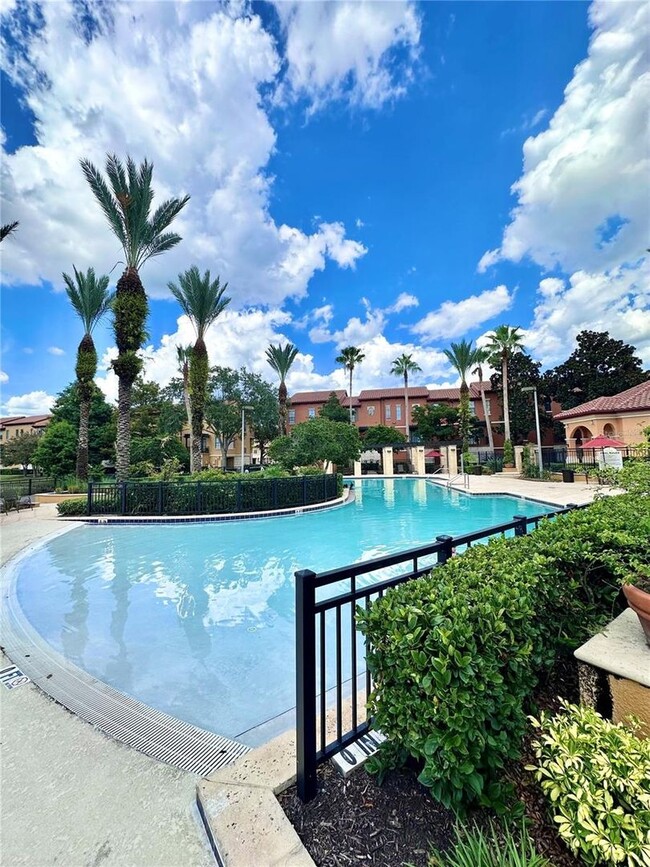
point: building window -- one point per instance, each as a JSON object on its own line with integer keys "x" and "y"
{"x": 292, "y": 416}
{"x": 472, "y": 407}
{"x": 371, "y": 410}
{"x": 387, "y": 410}
{"x": 398, "y": 412}
{"x": 547, "y": 405}
{"x": 312, "y": 412}
{"x": 354, "y": 416}
{"x": 217, "y": 443}
{"x": 488, "y": 406}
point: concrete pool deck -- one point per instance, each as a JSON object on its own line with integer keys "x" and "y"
{"x": 71, "y": 795}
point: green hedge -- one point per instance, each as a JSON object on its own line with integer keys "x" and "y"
{"x": 455, "y": 655}
{"x": 72, "y": 508}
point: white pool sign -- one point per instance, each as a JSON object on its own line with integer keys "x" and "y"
{"x": 355, "y": 754}
{"x": 611, "y": 457}
{"x": 12, "y": 677}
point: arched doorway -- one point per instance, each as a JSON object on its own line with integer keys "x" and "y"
{"x": 609, "y": 431}
{"x": 579, "y": 436}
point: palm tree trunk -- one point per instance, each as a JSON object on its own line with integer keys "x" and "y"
{"x": 406, "y": 406}
{"x": 188, "y": 409}
{"x": 486, "y": 411}
{"x": 506, "y": 408}
{"x": 282, "y": 400}
{"x": 123, "y": 439}
{"x": 82, "y": 443}
{"x": 350, "y": 397}
{"x": 464, "y": 415}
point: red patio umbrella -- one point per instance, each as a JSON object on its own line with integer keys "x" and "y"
{"x": 434, "y": 453}
{"x": 603, "y": 442}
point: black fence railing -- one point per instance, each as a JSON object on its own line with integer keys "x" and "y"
{"x": 327, "y": 675}
{"x": 140, "y": 498}
{"x": 15, "y": 487}
{"x": 562, "y": 457}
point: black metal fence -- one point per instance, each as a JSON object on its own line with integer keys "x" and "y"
{"x": 15, "y": 487}
{"x": 325, "y": 676}
{"x": 140, "y": 498}
{"x": 562, "y": 457}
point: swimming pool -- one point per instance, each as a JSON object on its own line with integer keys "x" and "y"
{"x": 198, "y": 619}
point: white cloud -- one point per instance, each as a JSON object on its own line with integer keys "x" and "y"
{"x": 582, "y": 198}
{"x": 181, "y": 84}
{"x": 617, "y": 302}
{"x": 348, "y": 51}
{"x": 359, "y": 223}
{"x": 4, "y": 377}
{"x": 455, "y": 318}
{"x": 33, "y": 403}
{"x": 55, "y": 350}
{"x": 404, "y": 301}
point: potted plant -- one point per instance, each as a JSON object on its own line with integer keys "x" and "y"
{"x": 508, "y": 455}
{"x": 637, "y": 592}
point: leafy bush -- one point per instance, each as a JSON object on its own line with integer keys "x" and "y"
{"x": 635, "y": 477}
{"x": 72, "y": 508}
{"x": 477, "y": 848}
{"x": 508, "y": 453}
{"x": 455, "y": 655}
{"x": 597, "y": 777}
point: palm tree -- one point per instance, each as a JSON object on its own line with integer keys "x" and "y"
{"x": 402, "y": 366}
{"x": 481, "y": 356}
{"x": 183, "y": 356}
{"x": 8, "y": 229}
{"x": 462, "y": 356}
{"x": 90, "y": 299}
{"x": 504, "y": 343}
{"x": 203, "y": 301}
{"x": 281, "y": 358}
{"x": 349, "y": 358}
{"x": 126, "y": 202}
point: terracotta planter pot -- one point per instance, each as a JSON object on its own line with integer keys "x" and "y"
{"x": 639, "y": 601}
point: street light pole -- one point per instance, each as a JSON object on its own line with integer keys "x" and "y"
{"x": 243, "y": 411}
{"x": 533, "y": 388}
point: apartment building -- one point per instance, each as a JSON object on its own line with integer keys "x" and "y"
{"x": 17, "y": 425}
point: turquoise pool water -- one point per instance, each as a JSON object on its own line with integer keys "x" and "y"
{"x": 198, "y": 619}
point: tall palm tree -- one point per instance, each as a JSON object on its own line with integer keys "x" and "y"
{"x": 481, "y": 357}
{"x": 183, "y": 356}
{"x": 126, "y": 201}
{"x": 402, "y": 366}
{"x": 349, "y": 358}
{"x": 462, "y": 356}
{"x": 90, "y": 299}
{"x": 8, "y": 229}
{"x": 203, "y": 301}
{"x": 281, "y": 358}
{"x": 504, "y": 343}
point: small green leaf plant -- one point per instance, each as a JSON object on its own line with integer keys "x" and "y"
{"x": 492, "y": 847}
{"x": 596, "y": 775}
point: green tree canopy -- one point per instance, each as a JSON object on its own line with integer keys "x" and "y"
{"x": 101, "y": 423}
{"x": 599, "y": 366}
{"x": 315, "y": 442}
{"x": 334, "y": 410}
{"x": 523, "y": 371}
{"x": 19, "y": 450}
{"x": 56, "y": 453}
{"x": 436, "y": 422}
{"x": 380, "y": 435}
{"x": 157, "y": 449}
{"x": 264, "y": 416}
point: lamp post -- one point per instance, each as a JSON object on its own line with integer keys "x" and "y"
{"x": 533, "y": 388}
{"x": 243, "y": 412}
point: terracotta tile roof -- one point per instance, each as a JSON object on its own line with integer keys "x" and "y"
{"x": 9, "y": 418}
{"x": 635, "y": 398}
{"x": 318, "y": 396}
{"x": 25, "y": 419}
{"x": 383, "y": 393}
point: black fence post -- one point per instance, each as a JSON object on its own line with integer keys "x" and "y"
{"x": 89, "y": 504}
{"x": 274, "y": 493}
{"x": 29, "y": 486}
{"x": 305, "y": 685}
{"x": 521, "y": 529}
{"x": 304, "y": 490}
{"x": 198, "y": 498}
{"x": 123, "y": 498}
{"x": 160, "y": 498}
{"x": 447, "y": 550}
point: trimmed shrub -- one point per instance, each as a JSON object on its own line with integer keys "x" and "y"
{"x": 455, "y": 655}
{"x": 597, "y": 777}
{"x": 72, "y": 508}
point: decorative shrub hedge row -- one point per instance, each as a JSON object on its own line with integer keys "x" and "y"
{"x": 456, "y": 655}
{"x": 241, "y": 494}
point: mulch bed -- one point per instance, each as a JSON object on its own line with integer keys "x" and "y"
{"x": 356, "y": 821}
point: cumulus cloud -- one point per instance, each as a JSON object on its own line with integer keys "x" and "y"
{"x": 455, "y": 318}
{"x": 32, "y": 403}
{"x": 55, "y": 350}
{"x": 4, "y": 377}
{"x": 582, "y": 197}
{"x": 360, "y": 52}
{"x": 403, "y": 302}
{"x": 180, "y": 83}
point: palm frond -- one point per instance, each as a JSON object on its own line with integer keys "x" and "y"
{"x": 350, "y": 357}
{"x": 200, "y": 298}
{"x": 106, "y": 201}
{"x": 89, "y": 296}
{"x": 281, "y": 358}
{"x": 8, "y": 229}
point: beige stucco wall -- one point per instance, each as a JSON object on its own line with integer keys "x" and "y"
{"x": 624, "y": 426}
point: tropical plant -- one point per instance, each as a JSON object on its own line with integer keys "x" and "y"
{"x": 596, "y": 775}
{"x": 402, "y": 366}
{"x": 281, "y": 358}
{"x": 91, "y": 300}
{"x": 475, "y": 847}
{"x": 481, "y": 356}
{"x": 203, "y": 301}
{"x": 183, "y": 356}
{"x": 350, "y": 357}
{"x": 126, "y": 202}
{"x": 8, "y": 229}
{"x": 504, "y": 342}
{"x": 462, "y": 356}
{"x": 101, "y": 420}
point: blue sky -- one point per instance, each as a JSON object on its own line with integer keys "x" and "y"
{"x": 391, "y": 175}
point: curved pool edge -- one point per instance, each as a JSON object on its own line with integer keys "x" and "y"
{"x": 119, "y": 716}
